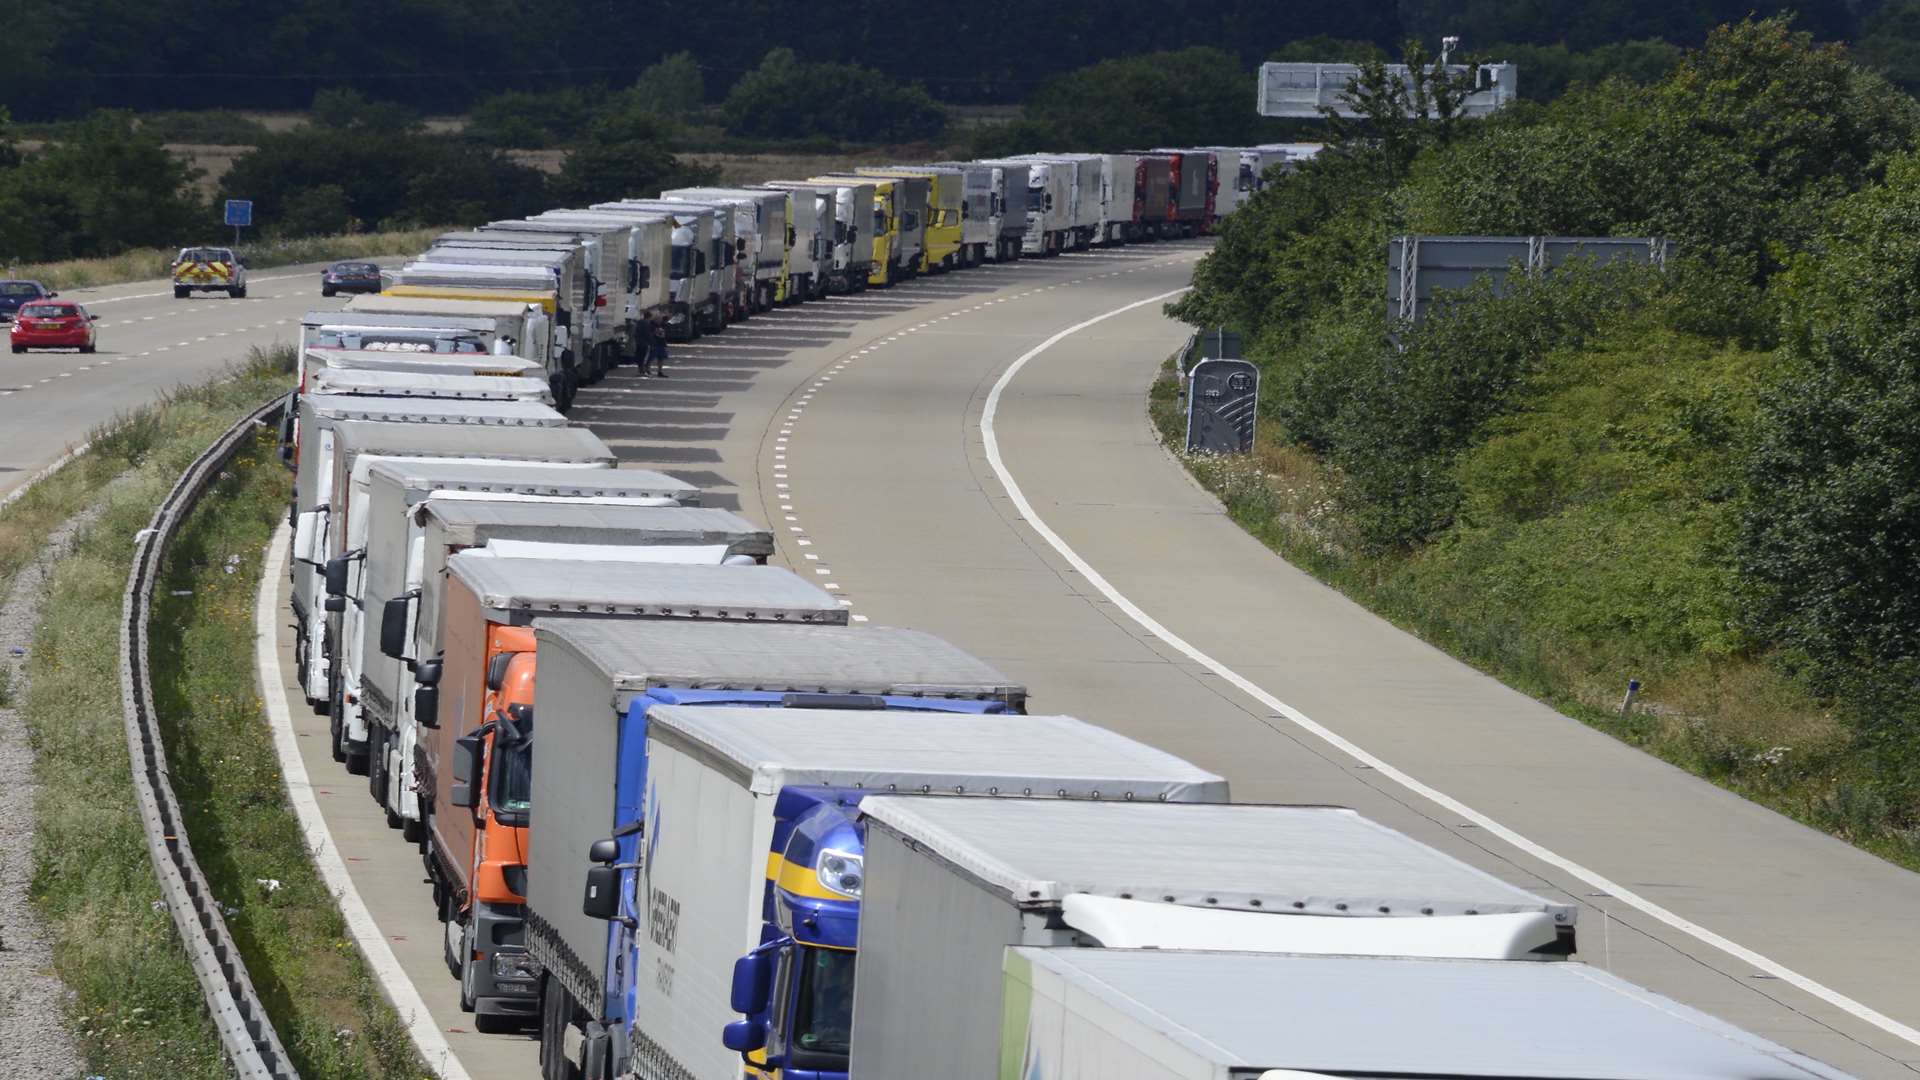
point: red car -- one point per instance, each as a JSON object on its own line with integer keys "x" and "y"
{"x": 53, "y": 324}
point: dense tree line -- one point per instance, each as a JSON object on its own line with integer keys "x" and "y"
{"x": 1659, "y": 471}
{"x": 445, "y": 56}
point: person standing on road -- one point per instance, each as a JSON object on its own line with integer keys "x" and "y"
{"x": 656, "y": 347}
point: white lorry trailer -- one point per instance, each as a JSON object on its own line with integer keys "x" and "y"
{"x": 1046, "y": 205}
{"x": 649, "y": 284}
{"x": 592, "y": 335}
{"x": 728, "y": 276}
{"x": 760, "y": 224}
{"x": 1083, "y": 177}
{"x": 951, "y": 883}
{"x": 395, "y": 333}
{"x": 505, "y": 327}
{"x": 694, "y": 291}
{"x": 335, "y": 441}
{"x": 386, "y": 383}
{"x": 386, "y": 563}
{"x": 1119, "y": 204}
{"x": 845, "y": 218}
{"x": 1123, "y": 1014}
{"x": 613, "y": 279}
{"x": 810, "y": 218}
{"x": 533, "y": 285}
{"x": 995, "y": 195}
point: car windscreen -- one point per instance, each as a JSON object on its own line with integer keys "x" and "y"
{"x": 19, "y": 290}
{"x": 45, "y": 311}
{"x": 355, "y": 268}
{"x": 206, "y": 255}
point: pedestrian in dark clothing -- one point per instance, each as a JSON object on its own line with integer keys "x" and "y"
{"x": 657, "y": 348}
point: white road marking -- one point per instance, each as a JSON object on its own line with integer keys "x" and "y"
{"x": 374, "y": 948}
{"x": 859, "y": 618}
{"x": 1353, "y": 750}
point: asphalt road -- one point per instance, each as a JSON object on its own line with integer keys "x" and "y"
{"x": 1119, "y": 592}
{"x": 148, "y": 344}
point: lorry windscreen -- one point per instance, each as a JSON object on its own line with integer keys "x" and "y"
{"x": 511, "y": 792}
{"x": 823, "y": 1009}
{"x": 1037, "y": 198}
{"x": 682, "y": 258}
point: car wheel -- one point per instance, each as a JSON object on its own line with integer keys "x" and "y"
{"x": 19, "y": 348}
{"x": 238, "y": 293}
{"x": 180, "y": 293}
{"x": 86, "y": 348}
{"x": 326, "y": 290}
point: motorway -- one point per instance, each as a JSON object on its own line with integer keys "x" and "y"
{"x": 1051, "y": 535}
{"x": 149, "y": 343}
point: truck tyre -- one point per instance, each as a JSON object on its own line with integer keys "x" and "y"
{"x": 556, "y": 1016}
{"x": 557, "y": 386}
{"x": 413, "y": 832}
{"x": 335, "y": 728}
{"x": 453, "y": 936}
{"x": 180, "y": 292}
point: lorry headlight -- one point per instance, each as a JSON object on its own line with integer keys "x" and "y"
{"x": 841, "y": 872}
{"x": 515, "y": 966}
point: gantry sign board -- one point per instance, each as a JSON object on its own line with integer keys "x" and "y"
{"x": 1305, "y": 90}
{"x": 1418, "y": 267}
{"x": 1222, "y": 396}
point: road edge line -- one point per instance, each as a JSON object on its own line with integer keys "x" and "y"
{"x": 45, "y": 471}
{"x": 398, "y": 987}
{"x": 1353, "y": 750}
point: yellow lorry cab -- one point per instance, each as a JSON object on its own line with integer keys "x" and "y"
{"x": 944, "y": 196}
{"x": 887, "y": 245}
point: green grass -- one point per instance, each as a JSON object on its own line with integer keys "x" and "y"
{"x": 1589, "y": 549}
{"x": 137, "y": 1009}
{"x": 152, "y": 264}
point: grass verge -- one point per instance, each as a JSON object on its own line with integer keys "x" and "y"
{"x": 137, "y": 1007}
{"x": 1519, "y": 604}
{"x": 151, "y": 264}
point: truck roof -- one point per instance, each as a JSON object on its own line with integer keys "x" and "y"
{"x": 662, "y": 590}
{"x": 385, "y": 320}
{"x": 452, "y": 363}
{"x": 417, "y": 305}
{"x": 665, "y": 524}
{"x": 470, "y": 440}
{"x": 375, "y": 382}
{"x": 1398, "y": 1017}
{"x": 799, "y": 659}
{"x": 471, "y": 476}
{"x": 1314, "y": 860}
{"x": 770, "y": 748}
{"x": 424, "y": 410}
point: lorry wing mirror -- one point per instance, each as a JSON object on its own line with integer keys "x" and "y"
{"x": 393, "y": 627}
{"x": 427, "y": 672}
{"x": 426, "y": 706}
{"x": 744, "y": 1036}
{"x": 334, "y": 603}
{"x": 601, "y": 899}
{"x": 336, "y": 577}
{"x": 752, "y": 975}
{"x": 605, "y": 852}
{"x": 497, "y": 670}
{"x": 462, "y": 765}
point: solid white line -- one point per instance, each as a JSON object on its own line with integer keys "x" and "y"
{"x": 1247, "y": 686}
{"x": 52, "y": 467}
{"x": 394, "y": 982}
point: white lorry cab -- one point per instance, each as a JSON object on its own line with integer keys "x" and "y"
{"x": 841, "y": 220}
{"x": 761, "y": 226}
{"x": 649, "y": 244}
{"x": 693, "y": 291}
{"x": 1082, "y": 174}
{"x": 728, "y": 271}
{"x": 1007, "y": 209}
{"x": 810, "y": 218}
{"x": 1048, "y": 207}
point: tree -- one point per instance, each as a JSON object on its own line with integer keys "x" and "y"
{"x": 529, "y": 120}
{"x": 671, "y": 86}
{"x": 345, "y": 109}
{"x": 1891, "y": 44}
{"x": 1399, "y": 116}
{"x": 786, "y": 98}
{"x": 625, "y": 156}
{"x": 1196, "y": 96}
{"x": 103, "y": 189}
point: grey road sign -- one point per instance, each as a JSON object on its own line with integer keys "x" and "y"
{"x": 1221, "y": 400}
{"x": 1418, "y": 267}
{"x": 1302, "y": 90}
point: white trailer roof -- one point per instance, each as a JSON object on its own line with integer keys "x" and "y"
{"x": 794, "y": 659}
{"x": 663, "y": 524}
{"x": 376, "y": 382}
{"x": 1395, "y": 1017}
{"x": 430, "y": 410}
{"x": 469, "y": 440}
{"x": 468, "y": 475}
{"x": 661, "y": 590}
{"x": 401, "y": 320}
{"x": 427, "y": 305}
{"x": 1315, "y": 860}
{"x": 984, "y": 755}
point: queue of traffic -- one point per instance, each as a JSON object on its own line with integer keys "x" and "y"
{"x": 683, "y": 818}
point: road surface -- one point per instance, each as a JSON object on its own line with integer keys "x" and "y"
{"x": 1120, "y": 593}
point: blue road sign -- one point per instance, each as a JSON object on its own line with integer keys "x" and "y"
{"x": 239, "y": 212}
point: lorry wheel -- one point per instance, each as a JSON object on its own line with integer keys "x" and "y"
{"x": 556, "y": 1016}
{"x": 412, "y": 831}
{"x": 453, "y": 936}
{"x": 468, "y": 972}
{"x": 335, "y": 708}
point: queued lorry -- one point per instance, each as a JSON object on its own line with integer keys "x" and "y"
{"x": 594, "y": 334}
{"x": 726, "y": 262}
{"x": 950, "y": 884}
{"x": 876, "y": 235}
{"x": 386, "y": 382}
{"x": 1047, "y": 207}
{"x": 846, "y": 218}
{"x": 613, "y": 276}
{"x": 474, "y": 767}
{"x": 1127, "y": 1014}
{"x": 1194, "y": 179}
{"x": 722, "y": 821}
{"x": 942, "y": 235}
{"x": 385, "y": 562}
{"x": 996, "y": 206}
{"x": 1153, "y": 195}
{"x": 699, "y": 280}
{"x": 510, "y": 328}
{"x": 531, "y": 286}
{"x": 1080, "y": 178}
{"x": 334, "y": 438}
{"x": 760, "y": 226}
{"x": 899, "y": 227}
{"x": 647, "y": 271}
{"x": 396, "y": 333}
{"x": 809, "y": 243}
{"x": 481, "y": 505}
